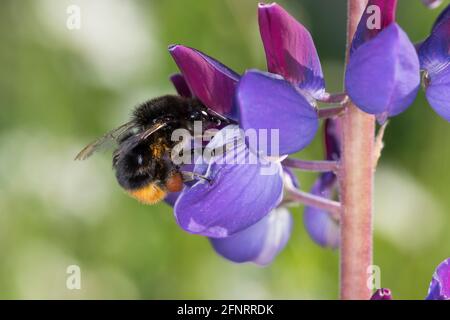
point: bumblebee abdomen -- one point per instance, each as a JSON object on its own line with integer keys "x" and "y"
{"x": 148, "y": 194}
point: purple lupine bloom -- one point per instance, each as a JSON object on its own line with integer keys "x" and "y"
{"x": 220, "y": 210}
{"x": 383, "y": 73}
{"x": 434, "y": 54}
{"x": 440, "y": 283}
{"x": 320, "y": 225}
{"x": 241, "y": 207}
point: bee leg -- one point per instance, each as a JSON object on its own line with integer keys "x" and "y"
{"x": 190, "y": 176}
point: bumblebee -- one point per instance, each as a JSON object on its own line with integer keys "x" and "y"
{"x": 141, "y": 159}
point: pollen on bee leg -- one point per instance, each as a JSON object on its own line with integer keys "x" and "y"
{"x": 149, "y": 194}
{"x": 174, "y": 182}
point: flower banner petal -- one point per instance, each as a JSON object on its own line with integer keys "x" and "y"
{"x": 268, "y": 102}
{"x": 259, "y": 243}
{"x": 440, "y": 284}
{"x": 383, "y": 75}
{"x": 290, "y": 49}
{"x": 209, "y": 80}
{"x": 242, "y": 190}
{"x": 180, "y": 85}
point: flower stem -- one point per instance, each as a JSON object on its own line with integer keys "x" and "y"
{"x": 333, "y": 207}
{"x": 356, "y": 182}
{"x": 335, "y": 98}
{"x": 330, "y": 112}
{"x": 315, "y": 166}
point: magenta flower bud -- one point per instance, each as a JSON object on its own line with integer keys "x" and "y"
{"x": 382, "y": 294}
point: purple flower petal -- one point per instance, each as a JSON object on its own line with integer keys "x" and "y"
{"x": 434, "y": 54}
{"x": 382, "y": 294}
{"x": 267, "y": 101}
{"x": 333, "y": 139}
{"x": 370, "y": 26}
{"x": 321, "y": 227}
{"x": 180, "y": 85}
{"x": 383, "y": 75}
{"x": 443, "y": 16}
{"x": 434, "y": 51}
{"x": 438, "y": 94}
{"x": 290, "y": 50}
{"x": 440, "y": 284}
{"x": 209, "y": 80}
{"x": 259, "y": 243}
{"x": 239, "y": 194}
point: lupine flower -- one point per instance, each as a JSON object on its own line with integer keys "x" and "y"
{"x": 434, "y": 54}
{"x": 221, "y": 210}
{"x": 320, "y": 225}
{"x": 440, "y": 283}
{"x": 383, "y": 74}
{"x": 241, "y": 207}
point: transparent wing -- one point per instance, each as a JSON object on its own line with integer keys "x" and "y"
{"x": 107, "y": 140}
{"x": 131, "y": 142}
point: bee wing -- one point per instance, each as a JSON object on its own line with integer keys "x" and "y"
{"x": 105, "y": 141}
{"x": 133, "y": 141}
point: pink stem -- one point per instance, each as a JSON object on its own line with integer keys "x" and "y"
{"x": 333, "y": 207}
{"x": 330, "y": 112}
{"x": 315, "y": 166}
{"x": 332, "y": 98}
{"x": 356, "y": 182}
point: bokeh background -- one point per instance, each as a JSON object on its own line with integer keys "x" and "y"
{"x": 61, "y": 88}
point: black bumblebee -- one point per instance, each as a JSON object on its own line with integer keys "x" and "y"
{"x": 142, "y": 156}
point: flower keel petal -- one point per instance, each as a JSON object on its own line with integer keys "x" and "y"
{"x": 259, "y": 243}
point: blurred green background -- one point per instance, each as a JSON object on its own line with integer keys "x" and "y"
{"x": 61, "y": 88}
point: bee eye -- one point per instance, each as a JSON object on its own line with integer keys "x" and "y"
{"x": 195, "y": 115}
{"x": 216, "y": 121}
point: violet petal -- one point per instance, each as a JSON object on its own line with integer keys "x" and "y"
{"x": 434, "y": 54}
{"x": 440, "y": 284}
{"x": 368, "y": 27}
{"x": 333, "y": 139}
{"x": 290, "y": 49}
{"x": 321, "y": 227}
{"x": 209, "y": 80}
{"x": 438, "y": 94}
{"x": 259, "y": 243}
{"x": 383, "y": 75}
{"x": 239, "y": 194}
{"x": 267, "y": 102}
{"x": 180, "y": 85}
